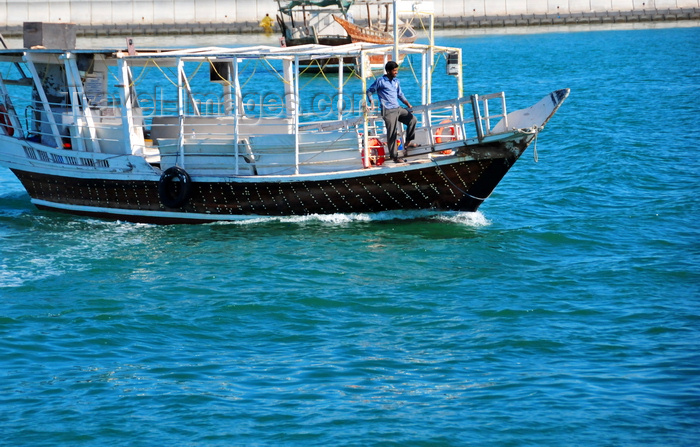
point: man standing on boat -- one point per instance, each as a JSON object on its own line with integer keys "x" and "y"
{"x": 389, "y": 92}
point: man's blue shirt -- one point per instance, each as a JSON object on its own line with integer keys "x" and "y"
{"x": 389, "y": 92}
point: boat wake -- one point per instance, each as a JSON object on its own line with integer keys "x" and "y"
{"x": 471, "y": 219}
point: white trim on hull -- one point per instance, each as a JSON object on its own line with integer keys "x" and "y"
{"x": 150, "y": 216}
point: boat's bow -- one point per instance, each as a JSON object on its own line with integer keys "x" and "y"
{"x": 535, "y": 116}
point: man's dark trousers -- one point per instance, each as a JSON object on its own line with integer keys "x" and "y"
{"x": 391, "y": 118}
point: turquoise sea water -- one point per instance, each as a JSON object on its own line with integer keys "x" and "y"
{"x": 565, "y": 312}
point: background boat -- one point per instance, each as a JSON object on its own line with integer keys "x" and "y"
{"x": 330, "y": 22}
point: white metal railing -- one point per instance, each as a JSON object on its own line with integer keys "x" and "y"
{"x": 456, "y": 118}
{"x": 259, "y": 146}
{"x": 452, "y": 120}
{"x": 70, "y": 133}
{"x": 483, "y": 116}
{"x": 452, "y": 113}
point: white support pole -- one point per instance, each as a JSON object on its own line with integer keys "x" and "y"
{"x": 424, "y": 86}
{"x": 127, "y": 112}
{"x": 460, "y": 74}
{"x": 227, "y": 88}
{"x": 340, "y": 87}
{"x": 76, "y": 130}
{"x": 236, "y": 109}
{"x": 431, "y": 60}
{"x": 296, "y": 114}
{"x": 365, "y": 112}
{"x": 487, "y": 115}
{"x": 227, "y": 99}
{"x": 186, "y": 84}
{"x": 180, "y": 114}
{"x": 396, "y": 33}
{"x": 477, "y": 117}
{"x": 80, "y": 105}
{"x": 288, "y": 74}
{"x": 460, "y": 93}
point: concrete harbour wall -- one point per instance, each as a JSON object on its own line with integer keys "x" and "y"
{"x": 144, "y": 17}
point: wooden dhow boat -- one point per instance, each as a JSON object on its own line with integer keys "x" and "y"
{"x": 304, "y": 22}
{"x": 330, "y": 22}
{"x": 380, "y": 35}
{"x": 207, "y": 134}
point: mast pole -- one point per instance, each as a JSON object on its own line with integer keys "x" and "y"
{"x": 396, "y": 35}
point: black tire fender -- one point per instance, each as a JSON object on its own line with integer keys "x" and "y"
{"x": 174, "y": 187}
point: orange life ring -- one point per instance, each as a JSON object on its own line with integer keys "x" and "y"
{"x": 376, "y": 152}
{"x": 5, "y": 122}
{"x": 440, "y": 134}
